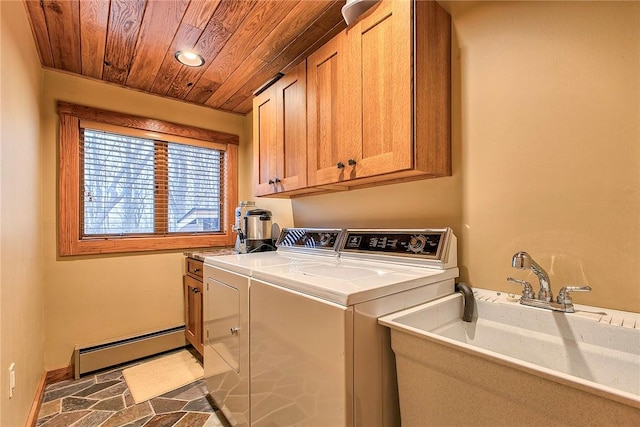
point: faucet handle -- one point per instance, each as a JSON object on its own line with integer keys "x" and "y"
{"x": 527, "y": 292}
{"x": 565, "y": 298}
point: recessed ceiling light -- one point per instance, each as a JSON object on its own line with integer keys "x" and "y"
{"x": 188, "y": 58}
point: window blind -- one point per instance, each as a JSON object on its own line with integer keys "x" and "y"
{"x": 195, "y": 185}
{"x": 135, "y": 186}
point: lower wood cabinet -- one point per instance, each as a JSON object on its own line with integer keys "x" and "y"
{"x": 193, "y": 304}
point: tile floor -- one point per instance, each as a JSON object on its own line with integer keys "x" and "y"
{"x": 103, "y": 399}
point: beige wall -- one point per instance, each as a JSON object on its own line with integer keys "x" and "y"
{"x": 551, "y": 119}
{"x": 98, "y": 298}
{"x": 546, "y": 132}
{"x": 21, "y": 271}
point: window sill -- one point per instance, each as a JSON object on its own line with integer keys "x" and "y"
{"x": 105, "y": 246}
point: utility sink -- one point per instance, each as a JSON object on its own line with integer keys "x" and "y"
{"x": 534, "y": 364}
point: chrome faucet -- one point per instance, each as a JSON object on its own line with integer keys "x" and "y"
{"x": 523, "y": 261}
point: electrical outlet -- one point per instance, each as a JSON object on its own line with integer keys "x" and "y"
{"x": 12, "y": 379}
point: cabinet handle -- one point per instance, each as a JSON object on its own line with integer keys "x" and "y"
{"x": 340, "y": 165}
{"x": 196, "y": 290}
{"x": 195, "y": 270}
{"x": 271, "y": 182}
{"x": 277, "y": 180}
{"x": 352, "y": 162}
{"x": 234, "y": 331}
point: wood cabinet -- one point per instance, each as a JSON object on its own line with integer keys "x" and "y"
{"x": 378, "y": 98}
{"x": 359, "y": 99}
{"x": 193, "y": 303}
{"x": 383, "y": 62}
{"x": 333, "y": 130}
{"x": 280, "y": 135}
{"x": 378, "y": 102}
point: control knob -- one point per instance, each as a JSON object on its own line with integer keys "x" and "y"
{"x": 324, "y": 239}
{"x": 417, "y": 243}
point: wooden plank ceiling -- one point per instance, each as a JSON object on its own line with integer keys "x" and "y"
{"x": 132, "y": 43}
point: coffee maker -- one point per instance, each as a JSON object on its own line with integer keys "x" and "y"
{"x": 257, "y": 223}
{"x": 254, "y": 229}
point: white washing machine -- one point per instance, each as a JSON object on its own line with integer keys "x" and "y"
{"x": 315, "y": 354}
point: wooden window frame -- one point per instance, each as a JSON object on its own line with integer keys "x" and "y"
{"x": 70, "y": 241}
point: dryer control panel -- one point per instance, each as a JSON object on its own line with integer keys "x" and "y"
{"x": 310, "y": 238}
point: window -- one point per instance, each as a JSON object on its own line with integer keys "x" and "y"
{"x": 133, "y": 184}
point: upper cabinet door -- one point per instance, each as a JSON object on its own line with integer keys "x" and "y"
{"x": 360, "y": 98}
{"x": 265, "y": 141}
{"x": 280, "y": 134}
{"x": 384, "y": 63}
{"x": 292, "y": 129}
{"x": 333, "y": 100}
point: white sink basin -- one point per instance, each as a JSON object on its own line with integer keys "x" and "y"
{"x": 594, "y": 350}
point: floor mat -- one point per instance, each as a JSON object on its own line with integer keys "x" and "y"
{"x": 162, "y": 375}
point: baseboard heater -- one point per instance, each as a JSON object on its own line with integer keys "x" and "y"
{"x": 100, "y": 356}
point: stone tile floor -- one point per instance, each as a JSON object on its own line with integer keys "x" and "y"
{"x": 103, "y": 399}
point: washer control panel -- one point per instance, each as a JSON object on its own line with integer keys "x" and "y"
{"x": 428, "y": 244}
{"x": 310, "y": 238}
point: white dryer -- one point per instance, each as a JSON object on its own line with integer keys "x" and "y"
{"x": 226, "y": 313}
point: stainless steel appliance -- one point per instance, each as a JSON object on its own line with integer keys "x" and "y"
{"x": 257, "y": 225}
{"x": 253, "y": 227}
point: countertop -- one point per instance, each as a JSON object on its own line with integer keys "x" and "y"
{"x": 201, "y": 253}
